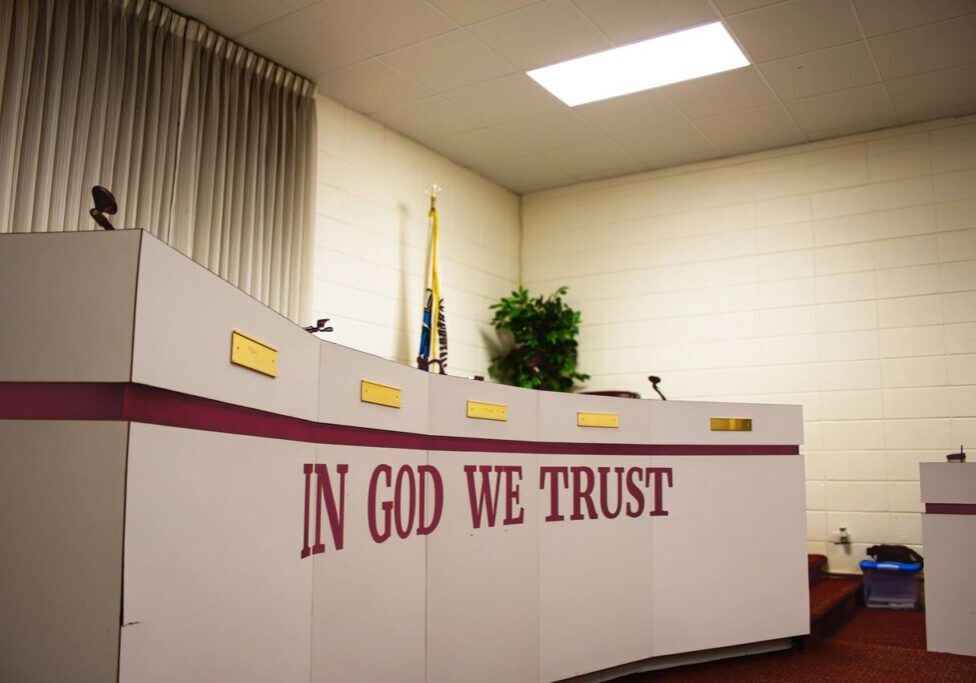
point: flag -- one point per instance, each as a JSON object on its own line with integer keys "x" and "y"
{"x": 433, "y": 333}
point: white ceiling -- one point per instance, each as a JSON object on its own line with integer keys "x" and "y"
{"x": 450, "y": 74}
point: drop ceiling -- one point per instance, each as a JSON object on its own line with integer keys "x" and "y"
{"x": 450, "y": 74}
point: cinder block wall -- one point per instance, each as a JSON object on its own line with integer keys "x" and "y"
{"x": 371, "y": 241}
{"x": 840, "y": 275}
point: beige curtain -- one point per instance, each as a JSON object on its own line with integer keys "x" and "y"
{"x": 205, "y": 144}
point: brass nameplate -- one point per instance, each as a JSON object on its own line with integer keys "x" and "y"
{"x": 253, "y": 355}
{"x": 608, "y": 420}
{"x": 488, "y": 411}
{"x": 731, "y": 424}
{"x": 379, "y": 394}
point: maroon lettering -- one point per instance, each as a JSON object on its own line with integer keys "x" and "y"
{"x": 512, "y": 495}
{"x": 405, "y": 474}
{"x": 486, "y": 500}
{"x": 658, "y": 473}
{"x": 308, "y": 469}
{"x": 405, "y": 505}
{"x": 581, "y": 494}
{"x": 336, "y": 512}
{"x": 636, "y": 492}
{"x": 424, "y": 527}
{"x": 554, "y": 473}
{"x": 379, "y": 535}
{"x": 605, "y": 494}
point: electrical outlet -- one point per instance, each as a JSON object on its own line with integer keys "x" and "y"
{"x": 841, "y": 537}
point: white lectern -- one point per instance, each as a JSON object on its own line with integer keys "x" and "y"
{"x": 949, "y": 534}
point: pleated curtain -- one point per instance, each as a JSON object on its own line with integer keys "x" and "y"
{"x": 205, "y": 144}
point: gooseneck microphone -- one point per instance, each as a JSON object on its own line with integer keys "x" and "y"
{"x": 104, "y": 204}
{"x": 655, "y": 380}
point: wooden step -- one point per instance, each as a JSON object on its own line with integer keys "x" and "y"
{"x": 816, "y": 566}
{"x": 833, "y": 600}
{"x": 831, "y": 593}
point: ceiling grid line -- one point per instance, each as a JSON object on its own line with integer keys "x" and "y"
{"x": 874, "y": 60}
{"x": 755, "y": 65}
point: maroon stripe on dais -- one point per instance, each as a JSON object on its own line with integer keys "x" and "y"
{"x": 151, "y": 405}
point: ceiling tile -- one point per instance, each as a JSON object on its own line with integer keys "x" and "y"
{"x": 934, "y": 90}
{"x": 427, "y": 119}
{"x": 369, "y": 86}
{"x": 448, "y": 61}
{"x": 813, "y": 73}
{"x": 302, "y": 45}
{"x": 551, "y": 129}
{"x": 470, "y": 11}
{"x": 626, "y": 21}
{"x": 721, "y": 93}
{"x": 669, "y": 146}
{"x": 794, "y": 27}
{"x": 927, "y": 48}
{"x": 232, "y": 17}
{"x": 477, "y": 147}
{"x": 525, "y": 174}
{"x": 379, "y": 26}
{"x": 751, "y": 131}
{"x": 592, "y": 159}
{"x": 542, "y": 34}
{"x": 888, "y": 16}
{"x": 631, "y": 113}
{"x": 510, "y": 97}
{"x": 728, "y": 7}
{"x": 841, "y": 109}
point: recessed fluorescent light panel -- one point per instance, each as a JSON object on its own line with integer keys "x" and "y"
{"x": 673, "y": 58}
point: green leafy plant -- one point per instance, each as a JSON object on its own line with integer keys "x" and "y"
{"x": 543, "y": 351}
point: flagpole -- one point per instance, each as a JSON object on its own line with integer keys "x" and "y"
{"x": 435, "y": 278}
{"x": 433, "y": 333}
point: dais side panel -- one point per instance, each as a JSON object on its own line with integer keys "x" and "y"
{"x": 62, "y": 493}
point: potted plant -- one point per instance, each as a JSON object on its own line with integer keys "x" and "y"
{"x": 543, "y": 351}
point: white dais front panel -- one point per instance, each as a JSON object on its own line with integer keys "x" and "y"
{"x": 595, "y": 573}
{"x": 689, "y": 422}
{"x": 483, "y": 582}
{"x": 185, "y": 316}
{"x": 558, "y": 417}
{"x": 342, "y": 372}
{"x": 214, "y": 585}
{"x": 708, "y": 591}
{"x": 449, "y": 397}
{"x": 369, "y": 597}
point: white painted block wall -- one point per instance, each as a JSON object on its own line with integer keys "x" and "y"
{"x": 840, "y": 275}
{"x": 371, "y": 240}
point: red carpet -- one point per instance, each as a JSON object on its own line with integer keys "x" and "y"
{"x": 876, "y": 645}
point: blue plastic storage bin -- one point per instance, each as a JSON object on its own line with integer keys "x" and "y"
{"x": 892, "y": 585}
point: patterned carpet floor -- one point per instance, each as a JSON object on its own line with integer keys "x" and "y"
{"x": 876, "y": 645}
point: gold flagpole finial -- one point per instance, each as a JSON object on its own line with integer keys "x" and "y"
{"x": 433, "y": 190}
